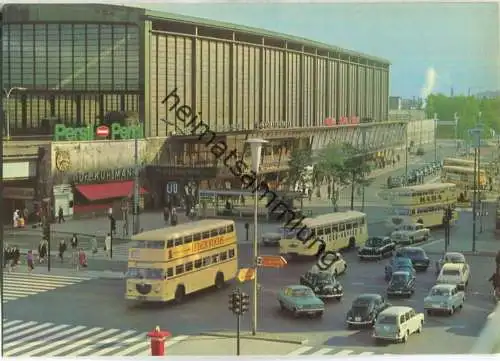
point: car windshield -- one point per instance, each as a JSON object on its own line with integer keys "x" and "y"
{"x": 322, "y": 277}
{"x": 451, "y": 272}
{"x": 145, "y": 273}
{"x": 402, "y": 261}
{"x": 302, "y": 293}
{"x": 289, "y": 233}
{"x": 414, "y": 253}
{"x": 439, "y": 292}
{"x": 454, "y": 259}
{"x": 399, "y": 278}
{"x": 387, "y": 320}
{"x": 374, "y": 242}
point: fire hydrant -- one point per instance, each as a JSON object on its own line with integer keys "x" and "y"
{"x": 158, "y": 337}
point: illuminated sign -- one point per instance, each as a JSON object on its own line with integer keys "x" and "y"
{"x": 64, "y": 133}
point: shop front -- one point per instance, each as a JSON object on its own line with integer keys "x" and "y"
{"x": 93, "y": 193}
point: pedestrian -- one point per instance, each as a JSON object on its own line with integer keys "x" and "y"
{"x": 166, "y": 214}
{"x": 7, "y": 254}
{"x": 74, "y": 242}
{"x": 107, "y": 244}
{"x": 42, "y": 250}
{"x": 93, "y": 245}
{"x": 173, "y": 218}
{"x": 82, "y": 259}
{"x": 29, "y": 261}
{"x": 15, "y": 218}
{"x": 62, "y": 249}
{"x": 60, "y": 215}
{"x": 15, "y": 257}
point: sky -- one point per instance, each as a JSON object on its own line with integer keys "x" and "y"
{"x": 433, "y": 47}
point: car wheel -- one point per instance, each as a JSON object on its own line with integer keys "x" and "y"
{"x": 451, "y": 311}
{"x": 426, "y": 238}
{"x": 349, "y": 326}
{"x": 429, "y": 312}
{"x": 345, "y": 268}
{"x": 419, "y": 329}
{"x": 296, "y": 313}
{"x": 405, "y": 337}
{"x": 282, "y": 306}
{"x": 412, "y": 240}
{"x": 338, "y": 298}
{"x": 319, "y": 314}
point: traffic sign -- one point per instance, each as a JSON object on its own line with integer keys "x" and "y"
{"x": 102, "y": 131}
{"x": 246, "y": 274}
{"x": 271, "y": 261}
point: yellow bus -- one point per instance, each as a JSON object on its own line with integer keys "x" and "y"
{"x": 336, "y": 231}
{"x": 463, "y": 177}
{"x": 422, "y": 203}
{"x": 167, "y": 264}
{"x": 458, "y": 162}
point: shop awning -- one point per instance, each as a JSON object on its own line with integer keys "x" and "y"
{"x": 94, "y": 192}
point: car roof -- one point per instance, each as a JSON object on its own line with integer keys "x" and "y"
{"x": 444, "y": 286}
{"x": 368, "y": 297}
{"x": 395, "y": 310}
{"x": 401, "y": 272}
{"x": 454, "y": 254}
{"x": 452, "y": 266}
{"x": 297, "y": 287}
{"x": 410, "y": 249}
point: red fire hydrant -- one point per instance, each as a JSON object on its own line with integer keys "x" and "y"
{"x": 158, "y": 337}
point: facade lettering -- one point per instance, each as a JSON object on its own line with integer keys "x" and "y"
{"x": 63, "y": 133}
{"x": 103, "y": 176}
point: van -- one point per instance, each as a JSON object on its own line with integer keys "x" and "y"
{"x": 454, "y": 274}
{"x": 397, "y": 323}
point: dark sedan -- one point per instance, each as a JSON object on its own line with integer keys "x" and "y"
{"x": 324, "y": 284}
{"x": 417, "y": 255}
{"x": 402, "y": 284}
{"x": 365, "y": 309}
{"x": 377, "y": 248}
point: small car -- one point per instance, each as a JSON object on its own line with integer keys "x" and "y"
{"x": 365, "y": 309}
{"x": 271, "y": 239}
{"x": 402, "y": 284}
{"x": 377, "y": 248}
{"x": 444, "y": 298}
{"x": 450, "y": 257}
{"x": 454, "y": 274}
{"x": 300, "y": 300}
{"x": 332, "y": 262}
{"x": 397, "y": 323}
{"x": 417, "y": 255}
{"x": 323, "y": 284}
{"x": 410, "y": 233}
{"x": 397, "y": 263}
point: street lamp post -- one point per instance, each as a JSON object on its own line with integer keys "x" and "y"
{"x": 435, "y": 138}
{"x": 136, "y": 222}
{"x": 406, "y": 151}
{"x": 256, "y": 151}
{"x": 476, "y": 141}
{"x": 7, "y": 108}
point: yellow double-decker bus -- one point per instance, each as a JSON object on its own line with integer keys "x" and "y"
{"x": 463, "y": 178}
{"x": 457, "y": 162}
{"x": 334, "y": 231}
{"x": 421, "y": 204}
{"x": 167, "y": 264}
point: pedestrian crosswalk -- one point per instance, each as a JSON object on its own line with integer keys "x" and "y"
{"x": 330, "y": 351}
{"x": 19, "y": 285}
{"x": 29, "y": 338}
{"x": 120, "y": 253}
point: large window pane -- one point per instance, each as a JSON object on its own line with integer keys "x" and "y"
{"x": 28, "y": 48}
{"x": 92, "y": 56}
{"x": 53, "y": 55}
{"x": 40, "y": 57}
{"x": 119, "y": 66}
{"x": 66, "y": 57}
{"x": 106, "y": 57}
{"x": 133, "y": 58}
{"x": 79, "y": 33}
{"x": 15, "y": 54}
{"x": 5, "y": 53}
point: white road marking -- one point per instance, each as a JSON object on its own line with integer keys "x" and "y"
{"x": 299, "y": 351}
{"x": 322, "y": 351}
{"x": 344, "y": 353}
{"x": 369, "y": 353}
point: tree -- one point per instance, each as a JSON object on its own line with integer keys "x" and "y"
{"x": 356, "y": 168}
{"x": 330, "y": 167}
{"x": 300, "y": 159}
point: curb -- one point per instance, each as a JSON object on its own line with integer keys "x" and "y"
{"x": 246, "y": 336}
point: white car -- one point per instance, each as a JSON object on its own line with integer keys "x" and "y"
{"x": 411, "y": 233}
{"x": 331, "y": 262}
{"x": 397, "y": 323}
{"x": 454, "y": 274}
{"x": 450, "y": 257}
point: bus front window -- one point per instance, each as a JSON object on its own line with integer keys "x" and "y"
{"x": 146, "y": 273}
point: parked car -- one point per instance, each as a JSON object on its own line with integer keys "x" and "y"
{"x": 300, "y": 300}
{"x": 397, "y": 264}
{"x": 411, "y": 233}
{"x": 402, "y": 283}
{"x": 332, "y": 262}
{"x": 397, "y": 323}
{"x": 450, "y": 257}
{"x": 364, "y": 310}
{"x": 271, "y": 239}
{"x": 417, "y": 255}
{"x": 444, "y": 298}
{"x": 323, "y": 284}
{"x": 455, "y": 274}
{"x": 377, "y": 248}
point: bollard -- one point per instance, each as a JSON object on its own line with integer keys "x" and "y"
{"x": 158, "y": 337}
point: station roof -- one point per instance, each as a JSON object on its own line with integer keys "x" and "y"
{"x": 258, "y": 32}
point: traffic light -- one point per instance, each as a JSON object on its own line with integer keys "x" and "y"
{"x": 235, "y": 302}
{"x": 245, "y": 302}
{"x": 112, "y": 224}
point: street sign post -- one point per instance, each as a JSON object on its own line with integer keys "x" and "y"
{"x": 246, "y": 274}
{"x": 271, "y": 261}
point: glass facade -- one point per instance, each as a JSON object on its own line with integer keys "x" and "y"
{"x": 73, "y": 73}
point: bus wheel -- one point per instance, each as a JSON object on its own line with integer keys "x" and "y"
{"x": 219, "y": 280}
{"x": 352, "y": 243}
{"x": 180, "y": 292}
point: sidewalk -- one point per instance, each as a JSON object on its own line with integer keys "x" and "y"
{"x": 69, "y": 272}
